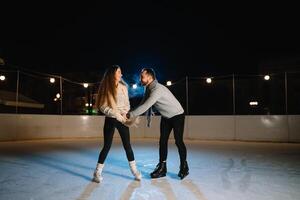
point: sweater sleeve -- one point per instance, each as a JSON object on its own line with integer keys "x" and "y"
{"x": 150, "y": 101}
{"x": 108, "y": 111}
{"x": 127, "y": 99}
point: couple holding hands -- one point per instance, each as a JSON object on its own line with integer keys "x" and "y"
{"x": 113, "y": 101}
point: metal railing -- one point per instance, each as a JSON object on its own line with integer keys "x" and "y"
{"x": 234, "y": 94}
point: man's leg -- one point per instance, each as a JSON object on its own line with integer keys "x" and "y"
{"x": 178, "y": 125}
{"x": 165, "y": 130}
{"x": 161, "y": 167}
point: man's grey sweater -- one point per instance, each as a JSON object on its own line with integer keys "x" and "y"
{"x": 162, "y": 99}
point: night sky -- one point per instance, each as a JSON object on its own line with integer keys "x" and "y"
{"x": 176, "y": 39}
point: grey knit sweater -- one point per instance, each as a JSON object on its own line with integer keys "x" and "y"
{"x": 162, "y": 99}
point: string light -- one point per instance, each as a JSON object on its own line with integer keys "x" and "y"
{"x": 267, "y": 77}
{"x": 253, "y": 103}
{"x": 86, "y": 85}
{"x": 58, "y": 95}
{"x": 2, "y": 78}
{"x": 52, "y": 80}
{"x": 134, "y": 86}
{"x": 208, "y": 80}
{"x": 86, "y": 105}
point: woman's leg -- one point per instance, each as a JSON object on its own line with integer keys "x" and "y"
{"x": 108, "y": 133}
{"x": 125, "y": 137}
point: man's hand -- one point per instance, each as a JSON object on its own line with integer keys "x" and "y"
{"x": 133, "y": 121}
{"x": 128, "y": 115}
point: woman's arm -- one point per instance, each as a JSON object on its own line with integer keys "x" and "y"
{"x": 109, "y": 112}
{"x": 127, "y": 99}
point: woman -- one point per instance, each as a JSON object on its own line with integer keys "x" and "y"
{"x": 113, "y": 101}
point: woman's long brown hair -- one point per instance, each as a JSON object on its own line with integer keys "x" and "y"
{"x": 107, "y": 89}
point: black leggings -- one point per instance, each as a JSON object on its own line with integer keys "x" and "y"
{"x": 166, "y": 125}
{"x": 109, "y": 128}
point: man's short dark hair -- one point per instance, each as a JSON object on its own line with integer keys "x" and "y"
{"x": 150, "y": 72}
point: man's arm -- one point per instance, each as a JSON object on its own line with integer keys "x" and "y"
{"x": 154, "y": 96}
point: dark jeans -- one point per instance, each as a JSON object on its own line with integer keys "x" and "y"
{"x": 166, "y": 125}
{"x": 109, "y": 128}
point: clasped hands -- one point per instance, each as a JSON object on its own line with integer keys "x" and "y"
{"x": 125, "y": 119}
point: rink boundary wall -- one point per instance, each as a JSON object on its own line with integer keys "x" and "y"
{"x": 271, "y": 128}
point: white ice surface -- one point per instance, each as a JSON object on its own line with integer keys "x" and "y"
{"x": 59, "y": 169}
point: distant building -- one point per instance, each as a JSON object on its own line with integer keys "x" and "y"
{"x": 8, "y": 103}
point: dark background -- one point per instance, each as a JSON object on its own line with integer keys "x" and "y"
{"x": 178, "y": 39}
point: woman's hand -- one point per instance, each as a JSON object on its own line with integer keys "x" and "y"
{"x": 125, "y": 116}
{"x": 120, "y": 118}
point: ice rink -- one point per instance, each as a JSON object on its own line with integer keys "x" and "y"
{"x": 62, "y": 169}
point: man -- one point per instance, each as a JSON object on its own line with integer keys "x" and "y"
{"x": 163, "y": 100}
